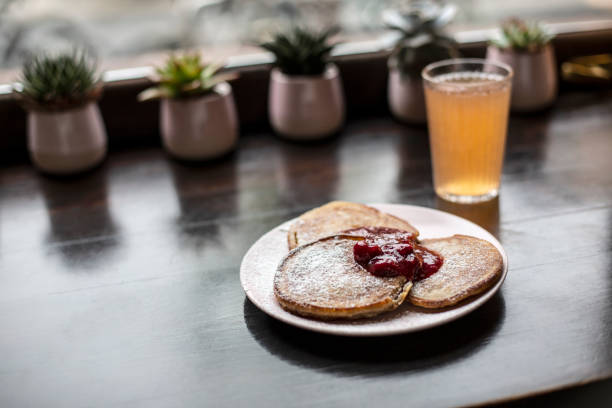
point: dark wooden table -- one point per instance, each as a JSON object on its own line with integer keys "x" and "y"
{"x": 121, "y": 288}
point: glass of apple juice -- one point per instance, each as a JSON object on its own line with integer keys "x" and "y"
{"x": 468, "y": 102}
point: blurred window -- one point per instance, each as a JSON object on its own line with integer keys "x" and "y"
{"x": 137, "y": 32}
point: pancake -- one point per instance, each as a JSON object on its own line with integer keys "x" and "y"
{"x": 321, "y": 279}
{"x": 471, "y": 266}
{"x": 337, "y": 216}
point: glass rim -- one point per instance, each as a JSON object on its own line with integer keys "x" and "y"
{"x": 452, "y": 61}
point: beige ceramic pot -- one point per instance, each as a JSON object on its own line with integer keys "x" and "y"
{"x": 406, "y": 97}
{"x": 306, "y": 108}
{"x": 67, "y": 141}
{"x": 200, "y": 127}
{"x": 534, "y": 85}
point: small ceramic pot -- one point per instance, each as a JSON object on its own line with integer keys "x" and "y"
{"x": 534, "y": 85}
{"x": 67, "y": 141}
{"x": 306, "y": 108}
{"x": 406, "y": 97}
{"x": 201, "y": 127}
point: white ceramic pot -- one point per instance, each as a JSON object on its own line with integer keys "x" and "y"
{"x": 306, "y": 108}
{"x": 534, "y": 85}
{"x": 406, "y": 97}
{"x": 67, "y": 141}
{"x": 200, "y": 127}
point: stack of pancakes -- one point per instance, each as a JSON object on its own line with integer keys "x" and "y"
{"x": 320, "y": 278}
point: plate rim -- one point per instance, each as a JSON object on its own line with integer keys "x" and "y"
{"x": 303, "y": 322}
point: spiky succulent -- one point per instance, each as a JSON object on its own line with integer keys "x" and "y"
{"x": 55, "y": 82}
{"x": 519, "y": 35}
{"x": 301, "y": 51}
{"x": 421, "y": 38}
{"x": 185, "y": 75}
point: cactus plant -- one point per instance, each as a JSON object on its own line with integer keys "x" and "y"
{"x": 184, "y": 76}
{"x": 519, "y": 35}
{"x": 421, "y": 38}
{"x": 301, "y": 51}
{"x": 525, "y": 46}
{"x": 58, "y": 82}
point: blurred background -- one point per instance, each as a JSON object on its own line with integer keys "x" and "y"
{"x": 132, "y": 33}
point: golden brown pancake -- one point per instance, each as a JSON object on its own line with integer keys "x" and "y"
{"x": 337, "y": 216}
{"x": 471, "y": 266}
{"x": 321, "y": 279}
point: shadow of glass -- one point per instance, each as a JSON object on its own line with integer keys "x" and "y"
{"x": 377, "y": 356}
{"x": 81, "y": 224}
{"x": 485, "y": 214}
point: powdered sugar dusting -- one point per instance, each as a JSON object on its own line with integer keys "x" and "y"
{"x": 324, "y": 274}
{"x": 336, "y": 216}
{"x": 260, "y": 262}
{"x": 467, "y": 265}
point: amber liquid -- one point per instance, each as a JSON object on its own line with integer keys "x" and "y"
{"x": 467, "y": 115}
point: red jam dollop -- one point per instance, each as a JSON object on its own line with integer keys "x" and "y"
{"x": 390, "y": 252}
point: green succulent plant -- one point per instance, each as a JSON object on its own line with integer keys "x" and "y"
{"x": 519, "y": 35}
{"x": 301, "y": 51}
{"x": 421, "y": 38}
{"x": 56, "y": 82}
{"x": 184, "y": 76}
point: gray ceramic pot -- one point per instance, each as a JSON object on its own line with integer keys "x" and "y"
{"x": 534, "y": 85}
{"x": 406, "y": 97}
{"x": 200, "y": 127}
{"x": 68, "y": 141}
{"x": 306, "y": 108}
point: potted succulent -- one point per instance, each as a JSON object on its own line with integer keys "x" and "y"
{"x": 198, "y": 118}
{"x": 305, "y": 101}
{"x": 421, "y": 41}
{"x": 65, "y": 133}
{"x": 526, "y": 48}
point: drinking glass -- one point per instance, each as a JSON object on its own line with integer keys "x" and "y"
{"x": 467, "y": 114}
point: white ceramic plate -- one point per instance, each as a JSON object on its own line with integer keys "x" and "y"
{"x": 259, "y": 266}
